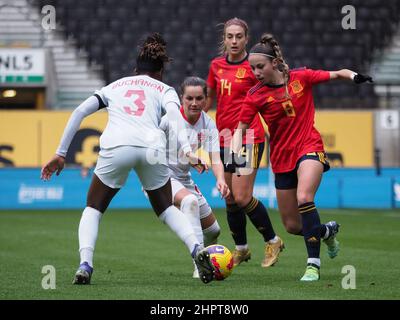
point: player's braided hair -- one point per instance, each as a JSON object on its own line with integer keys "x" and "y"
{"x": 234, "y": 21}
{"x": 270, "y": 47}
{"x": 152, "y": 54}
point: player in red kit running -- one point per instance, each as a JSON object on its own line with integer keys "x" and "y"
{"x": 229, "y": 79}
{"x": 284, "y": 99}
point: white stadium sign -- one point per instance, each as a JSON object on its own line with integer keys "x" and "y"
{"x": 22, "y": 66}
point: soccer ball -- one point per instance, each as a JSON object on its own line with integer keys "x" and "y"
{"x": 222, "y": 260}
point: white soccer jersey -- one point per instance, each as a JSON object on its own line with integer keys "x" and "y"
{"x": 135, "y": 106}
{"x": 203, "y": 134}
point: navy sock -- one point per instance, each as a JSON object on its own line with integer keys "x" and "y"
{"x": 237, "y": 224}
{"x": 322, "y": 231}
{"x": 259, "y": 217}
{"x": 312, "y": 228}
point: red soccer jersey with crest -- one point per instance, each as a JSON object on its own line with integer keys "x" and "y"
{"x": 290, "y": 121}
{"x": 232, "y": 81}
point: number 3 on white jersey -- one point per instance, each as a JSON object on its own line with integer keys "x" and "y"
{"x": 139, "y": 102}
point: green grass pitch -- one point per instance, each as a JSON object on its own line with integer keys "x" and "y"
{"x": 137, "y": 257}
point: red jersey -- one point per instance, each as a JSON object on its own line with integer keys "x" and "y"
{"x": 290, "y": 121}
{"x": 232, "y": 81}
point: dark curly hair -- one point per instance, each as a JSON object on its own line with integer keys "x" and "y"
{"x": 152, "y": 54}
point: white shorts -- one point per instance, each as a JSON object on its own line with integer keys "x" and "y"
{"x": 113, "y": 167}
{"x": 177, "y": 185}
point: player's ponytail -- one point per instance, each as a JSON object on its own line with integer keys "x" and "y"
{"x": 270, "y": 48}
{"x": 152, "y": 54}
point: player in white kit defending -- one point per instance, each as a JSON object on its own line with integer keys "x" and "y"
{"x": 132, "y": 139}
{"x": 202, "y": 133}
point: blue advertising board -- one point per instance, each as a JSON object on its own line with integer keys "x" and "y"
{"x": 340, "y": 188}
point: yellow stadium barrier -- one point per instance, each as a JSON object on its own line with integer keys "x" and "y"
{"x": 29, "y": 138}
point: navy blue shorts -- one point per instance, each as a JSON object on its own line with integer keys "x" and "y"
{"x": 288, "y": 180}
{"x": 249, "y": 157}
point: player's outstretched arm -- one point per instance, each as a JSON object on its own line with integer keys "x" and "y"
{"x": 56, "y": 164}
{"x": 87, "y": 107}
{"x": 218, "y": 170}
{"x": 196, "y": 162}
{"x": 176, "y": 123}
{"x": 346, "y": 74}
{"x": 236, "y": 143}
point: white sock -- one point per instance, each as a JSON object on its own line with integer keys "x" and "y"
{"x": 190, "y": 207}
{"x": 211, "y": 234}
{"x": 316, "y": 261}
{"x": 88, "y": 230}
{"x": 179, "y": 224}
{"x": 273, "y": 240}
{"x": 242, "y": 247}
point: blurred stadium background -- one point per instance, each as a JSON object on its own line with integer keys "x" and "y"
{"x": 55, "y": 53}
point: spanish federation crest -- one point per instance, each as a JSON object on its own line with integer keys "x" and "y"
{"x": 296, "y": 86}
{"x": 241, "y": 72}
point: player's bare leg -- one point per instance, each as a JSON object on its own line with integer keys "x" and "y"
{"x": 309, "y": 178}
{"x": 211, "y": 229}
{"x": 237, "y": 225}
{"x": 291, "y": 219}
{"x": 289, "y": 210}
{"x": 309, "y": 181}
{"x": 98, "y": 199}
{"x": 161, "y": 201}
{"x": 189, "y": 205}
{"x": 243, "y": 185}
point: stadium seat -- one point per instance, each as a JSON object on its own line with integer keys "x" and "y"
{"x": 309, "y": 31}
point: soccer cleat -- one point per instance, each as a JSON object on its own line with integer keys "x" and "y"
{"x": 331, "y": 241}
{"x": 272, "y": 251}
{"x": 204, "y": 265}
{"x": 83, "y": 274}
{"x": 241, "y": 255}
{"x": 311, "y": 274}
